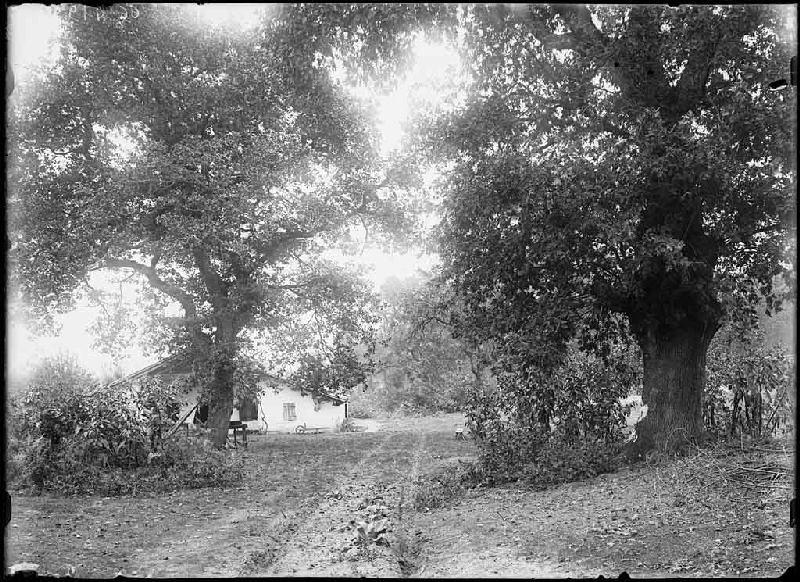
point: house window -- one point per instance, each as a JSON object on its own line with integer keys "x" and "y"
{"x": 289, "y": 412}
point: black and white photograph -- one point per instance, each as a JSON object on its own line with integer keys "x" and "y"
{"x": 400, "y": 290}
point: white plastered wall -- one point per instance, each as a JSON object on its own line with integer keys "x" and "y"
{"x": 326, "y": 414}
{"x": 271, "y": 410}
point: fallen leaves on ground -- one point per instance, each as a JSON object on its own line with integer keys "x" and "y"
{"x": 719, "y": 512}
{"x": 700, "y": 515}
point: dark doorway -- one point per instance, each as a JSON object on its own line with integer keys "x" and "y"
{"x": 248, "y": 409}
{"x": 201, "y": 415}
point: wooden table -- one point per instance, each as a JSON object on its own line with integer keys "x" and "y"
{"x": 237, "y": 425}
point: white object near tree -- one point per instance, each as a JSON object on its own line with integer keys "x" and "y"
{"x": 23, "y": 567}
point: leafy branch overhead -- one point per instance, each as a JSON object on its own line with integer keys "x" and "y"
{"x": 619, "y": 167}
{"x": 216, "y": 167}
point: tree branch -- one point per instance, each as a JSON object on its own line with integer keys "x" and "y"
{"x": 94, "y": 297}
{"x": 216, "y": 287}
{"x": 181, "y": 296}
{"x": 641, "y": 78}
{"x": 291, "y": 286}
{"x": 270, "y": 249}
{"x": 583, "y": 29}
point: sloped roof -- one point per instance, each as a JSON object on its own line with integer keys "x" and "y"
{"x": 181, "y": 363}
{"x": 175, "y": 364}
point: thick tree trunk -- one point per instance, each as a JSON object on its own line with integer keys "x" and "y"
{"x": 223, "y": 365}
{"x": 220, "y": 404}
{"x": 674, "y": 378}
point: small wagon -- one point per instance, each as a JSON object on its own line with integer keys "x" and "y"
{"x": 303, "y": 429}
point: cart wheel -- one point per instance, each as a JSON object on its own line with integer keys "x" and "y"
{"x": 300, "y": 429}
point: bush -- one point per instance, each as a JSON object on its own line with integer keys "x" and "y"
{"x": 539, "y": 459}
{"x": 748, "y": 388}
{"x": 363, "y": 404}
{"x": 78, "y": 438}
{"x": 189, "y": 463}
{"x": 560, "y": 463}
{"x": 543, "y": 428}
{"x": 185, "y": 463}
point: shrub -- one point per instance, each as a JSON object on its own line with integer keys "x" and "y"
{"x": 545, "y": 427}
{"x": 558, "y": 463}
{"x": 185, "y": 463}
{"x": 78, "y": 438}
{"x": 188, "y": 463}
{"x": 363, "y": 404}
{"x": 748, "y": 388}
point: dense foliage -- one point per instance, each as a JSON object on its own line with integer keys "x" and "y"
{"x": 618, "y": 168}
{"x": 569, "y": 431}
{"x": 69, "y": 434}
{"x": 420, "y": 367}
{"x": 217, "y": 167}
{"x": 615, "y": 174}
{"x": 750, "y": 387}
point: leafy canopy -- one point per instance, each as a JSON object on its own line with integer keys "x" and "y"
{"x": 219, "y": 167}
{"x": 617, "y": 159}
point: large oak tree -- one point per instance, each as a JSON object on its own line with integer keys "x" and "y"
{"x": 218, "y": 162}
{"x": 620, "y": 160}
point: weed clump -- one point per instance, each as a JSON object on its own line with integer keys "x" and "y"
{"x": 440, "y": 488}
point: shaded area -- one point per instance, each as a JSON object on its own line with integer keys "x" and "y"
{"x": 720, "y": 512}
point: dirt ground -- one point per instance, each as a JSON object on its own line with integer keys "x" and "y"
{"x": 296, "y": 514}
{"x": 646, "y": 521}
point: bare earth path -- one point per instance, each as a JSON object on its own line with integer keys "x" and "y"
{"x": 320, "y": 546}
{"x": 285, "y": 517}
{"x": 701, "y": 516}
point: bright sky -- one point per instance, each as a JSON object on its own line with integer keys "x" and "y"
{"x": 432, "y": 63}
{"x": 31, "y": 30}
{"x": 33, "y": 33}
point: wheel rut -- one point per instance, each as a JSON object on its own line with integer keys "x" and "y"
{"x": 323, "y": 544}
{"x": 314, "y": 548}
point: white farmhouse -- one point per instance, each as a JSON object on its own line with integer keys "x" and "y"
{"x": 284, "y": 410}
{"x": 278, "y": 408}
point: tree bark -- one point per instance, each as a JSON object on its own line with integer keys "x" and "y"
{"x": 220, "y": 404}
{"x": 674, "y": 378}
